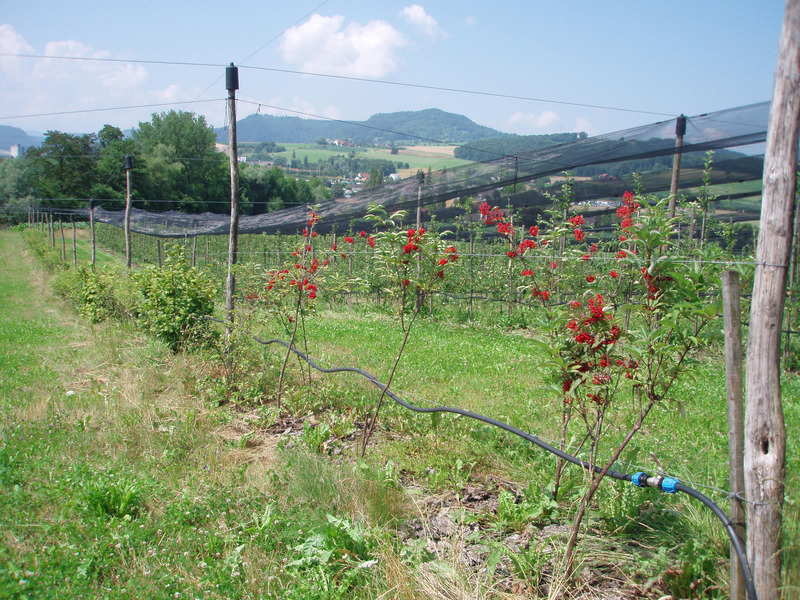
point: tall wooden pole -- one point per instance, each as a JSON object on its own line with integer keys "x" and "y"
{"x": 63, "y": 241}
{"x": 91, "y": 227}
{"x": 232, "y": 84}
{"x": 128, "y": 169}
{"x": 765, "y": 429}
{"x": 74, "y": 244}
{"x": 420, "y": 184}
{"x": 680, "y": 131}
{"x": 731, "y": 299}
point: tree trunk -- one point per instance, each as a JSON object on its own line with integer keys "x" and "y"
{"x": 765, "y": 430}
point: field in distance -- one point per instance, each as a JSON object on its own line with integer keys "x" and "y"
{"x": 435, "y": 158}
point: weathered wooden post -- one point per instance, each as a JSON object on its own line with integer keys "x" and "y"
{"x": 680, "y": 131}
{"x": 91, "y": 227}
{"x": 732, "y": 312}
{"x": 63, "y": 242}
{"x": 128, "y": 169}
{"x": 74, "y": 244}
{"x": 232, "y": 84}
{"x": 765, "y": 429}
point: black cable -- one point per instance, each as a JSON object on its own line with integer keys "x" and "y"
{"x": 738, "y": 546}
{"x": 666, "y": 484}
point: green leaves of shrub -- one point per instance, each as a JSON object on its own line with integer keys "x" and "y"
{"x": 174, "y": 300}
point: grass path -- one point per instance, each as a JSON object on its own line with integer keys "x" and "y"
{"x": 35, "y": 334}
{"x": 116, "y": 481}
{"x": 100, "y": 442}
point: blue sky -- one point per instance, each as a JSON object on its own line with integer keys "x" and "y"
{"x": 652, "y": 59}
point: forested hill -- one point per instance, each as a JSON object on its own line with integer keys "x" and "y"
{"x": 389, "y": 128}
{"x": 10, "y": 136}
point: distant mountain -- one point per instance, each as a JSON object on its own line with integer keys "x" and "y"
{"x": 390, "y": 128}
{"x": 10, "y": 136}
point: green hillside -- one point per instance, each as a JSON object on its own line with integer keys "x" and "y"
{"x": 381, "y": 129}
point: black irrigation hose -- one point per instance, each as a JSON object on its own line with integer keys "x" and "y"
{"x": 669, "y": 485}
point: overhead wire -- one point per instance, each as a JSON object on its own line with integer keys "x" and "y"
{"x": 351, "y": 78}
{"x": 107, "y": 109}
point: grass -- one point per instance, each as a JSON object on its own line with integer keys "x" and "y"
{"x": 114, "y": 482}
{"x": 129, "y": 471}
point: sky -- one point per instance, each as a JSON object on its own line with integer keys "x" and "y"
{"x": 520, "y": 66}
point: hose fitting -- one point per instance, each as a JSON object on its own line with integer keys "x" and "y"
{"x": 668, "y": 485}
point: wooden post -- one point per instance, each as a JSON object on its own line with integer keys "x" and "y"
{"x": 74, "y": 245}
{"x": 158, "y": 251}
{"x": 420, "y": 184}
{"x": 731, "y": 298}
{"x": 194, "y": 246}
{"x": 232, "y": 84}
{"x": 91, "y": 227}
{"x": 128, "y": 169}
{"x": 680, "y": 131}
{"x": 765, "y": 429}
{"x": 63, "y": 241}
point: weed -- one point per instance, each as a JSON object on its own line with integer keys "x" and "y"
{"x": 514, "y": 515}
{"x": 315, "y": 438}
{"x": 110, "y": 496}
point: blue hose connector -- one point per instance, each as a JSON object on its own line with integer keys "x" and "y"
{"x": 639, "y": 479}
{"x": 669, "y": 484}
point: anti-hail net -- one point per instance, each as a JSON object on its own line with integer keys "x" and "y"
{"x": 593, "y": 157}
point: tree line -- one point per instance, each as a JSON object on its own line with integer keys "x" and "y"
{"x": 176, "y": 166}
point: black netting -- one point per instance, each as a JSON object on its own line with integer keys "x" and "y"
{"x": 719, "y": 131}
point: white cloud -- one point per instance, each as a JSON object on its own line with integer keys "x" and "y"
{"x": 13, "y": 43}
{"x": 529, "y": 123}
{"x": 303, "y": 108}
{"x": 332, "y": 112}
{"x": 416, "y": 16}
{"x": 582, "y": 124}
{"x": 126, "y": 76}
{"x": 53, "y": 85}
{"x": 327, "y": 45}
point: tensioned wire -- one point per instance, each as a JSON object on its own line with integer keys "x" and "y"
{"x": 340, "y": 77}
